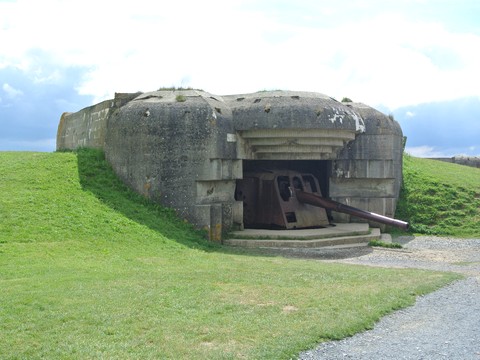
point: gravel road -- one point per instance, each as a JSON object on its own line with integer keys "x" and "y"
{"x": 442, "y": 325}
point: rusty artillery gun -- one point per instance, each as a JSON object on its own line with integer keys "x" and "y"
{"x": 292, "y": 200}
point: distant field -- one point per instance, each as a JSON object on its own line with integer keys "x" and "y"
{"x": 440, "y": 198}
{"x": 90, "y": 270}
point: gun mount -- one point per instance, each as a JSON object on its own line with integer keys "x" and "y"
{"x": 292, "y": 200}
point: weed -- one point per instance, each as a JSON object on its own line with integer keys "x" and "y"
{"x": 174, "y": 88}
{"x": 379, "y": 243}
{"x": 180, "y": 98}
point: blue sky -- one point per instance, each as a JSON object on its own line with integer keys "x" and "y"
{"x": 417, "y": 60}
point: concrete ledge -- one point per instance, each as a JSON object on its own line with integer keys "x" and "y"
{"x": 343, "y": 235}
{"x": 303, "y": 234}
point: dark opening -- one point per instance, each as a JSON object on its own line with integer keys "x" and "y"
{"x": 321, "y": 169}
{"x": 291, "y": 217}
{"x": 297, "y": 183}
{"x": 269, "y": 193}
{"x": 310, "y": 183}
{"x": 284, "y": 187}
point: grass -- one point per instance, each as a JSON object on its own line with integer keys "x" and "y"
{"x": 88, "y": 269}
{"x": 440, "y": 198}
{"x": 175, "y": 88}
{"x": 180, "y": 98}
{"x": 384, "y": 244}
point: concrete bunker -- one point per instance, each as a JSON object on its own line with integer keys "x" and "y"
{"x": 188, "y": 149}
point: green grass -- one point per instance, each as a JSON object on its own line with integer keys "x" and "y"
{"x": 440, "y": 198}
{"x": 89, "y": 270}
{"x": 384, "y": 244}
{"x": 180, "y": 98}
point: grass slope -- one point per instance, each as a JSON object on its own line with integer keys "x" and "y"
{"x": 89, "y": 269}
{"x": 440, "y": 198}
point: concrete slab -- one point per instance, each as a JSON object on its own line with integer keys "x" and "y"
{"x": 304, "y": 234}
{"x": 343, "y": 236}
{"x": 386, "y": 238}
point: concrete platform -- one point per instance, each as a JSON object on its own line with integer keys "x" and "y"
{"x": 341, "y": 235}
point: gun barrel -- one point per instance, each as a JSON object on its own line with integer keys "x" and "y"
{"x": 315, "y": 200}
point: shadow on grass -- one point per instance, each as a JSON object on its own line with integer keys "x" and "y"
{"x": 97, "y": 177}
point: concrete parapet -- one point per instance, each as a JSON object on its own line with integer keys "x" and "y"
{"x": 85, "y": 128}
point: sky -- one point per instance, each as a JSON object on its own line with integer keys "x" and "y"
{"x": 415, "y": 59}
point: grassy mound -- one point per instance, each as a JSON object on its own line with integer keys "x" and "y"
{"x": 89, "y": 269}
{"x": 440, "y": 198}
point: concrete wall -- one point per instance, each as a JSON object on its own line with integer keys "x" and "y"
{"x": 175, "y": 148}
{"x": 87, "y": 127}
{"x": 368, "y": 172}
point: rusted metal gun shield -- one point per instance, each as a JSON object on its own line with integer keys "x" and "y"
{"x": 269, "y": 200}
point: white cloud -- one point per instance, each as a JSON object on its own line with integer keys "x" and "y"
{"x": 11, "y": 91}
{"x": 46, "y": 77}
{"x": 410, "y": 114}
{"x": 225, "y": 47}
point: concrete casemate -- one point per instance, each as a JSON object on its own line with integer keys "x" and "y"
{"x": 186, "y": 149}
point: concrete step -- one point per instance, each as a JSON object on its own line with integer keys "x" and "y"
{"x": 343, "y": 237}
{"x": 303, "y": 234}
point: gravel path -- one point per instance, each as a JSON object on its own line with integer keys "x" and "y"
{"x": 441, "y": 325}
